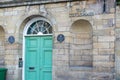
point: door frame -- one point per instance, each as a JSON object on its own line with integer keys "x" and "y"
{"x": 25, "y": 34}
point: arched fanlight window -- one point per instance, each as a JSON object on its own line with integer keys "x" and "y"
{"x": 40, "y": 27}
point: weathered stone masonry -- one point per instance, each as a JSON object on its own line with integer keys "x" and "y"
{"x": 91, "y": 39}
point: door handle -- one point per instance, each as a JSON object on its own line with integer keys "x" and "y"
{"x": 31, "y": 68}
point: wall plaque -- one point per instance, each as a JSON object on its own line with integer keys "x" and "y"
{"x": 60, "y": 38}
{"x": 11, "y": 39}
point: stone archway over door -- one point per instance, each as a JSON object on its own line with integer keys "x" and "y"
{"x": 38, "y": 50}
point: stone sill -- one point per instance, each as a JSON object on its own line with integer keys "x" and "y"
{"x": 35, "y": 2}
{"x": 81, "y": 68}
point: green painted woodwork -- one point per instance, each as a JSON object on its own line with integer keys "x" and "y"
{"x": 38, "y": 58}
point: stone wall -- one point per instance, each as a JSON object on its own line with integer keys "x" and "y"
{"x": 63, "y": 16}
{"x": 103, "y": 44}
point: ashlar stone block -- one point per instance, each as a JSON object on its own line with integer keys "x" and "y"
{"x": 106, "y": 38}
{"x": 101, "y": 45}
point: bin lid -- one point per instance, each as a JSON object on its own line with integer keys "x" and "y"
{"x": 3, "y": 69}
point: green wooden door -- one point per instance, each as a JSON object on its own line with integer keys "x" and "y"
{"x": 38, "y": 58}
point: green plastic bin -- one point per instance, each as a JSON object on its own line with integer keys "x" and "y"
{"x": 3, "y": 72}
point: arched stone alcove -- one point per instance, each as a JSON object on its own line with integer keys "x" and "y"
{"x": 2, "y": 46}
{"x": 81, "y": 45}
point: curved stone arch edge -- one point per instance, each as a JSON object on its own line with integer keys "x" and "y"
{"x": 84, "y": 19}
{"x": 26, "y": 19}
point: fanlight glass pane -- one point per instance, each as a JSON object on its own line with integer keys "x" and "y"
{"x": 40, "y": 27}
